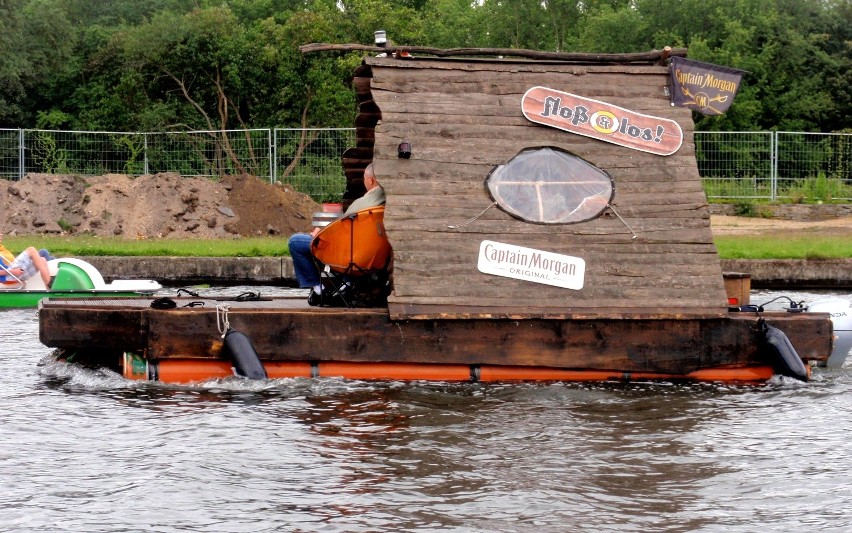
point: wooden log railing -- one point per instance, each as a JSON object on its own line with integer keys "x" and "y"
{"x": 654, "y": 56}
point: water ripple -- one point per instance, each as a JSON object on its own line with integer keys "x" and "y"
{"x": 86, "y": 450}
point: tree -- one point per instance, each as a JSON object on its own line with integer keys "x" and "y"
{"x": 518, "y": 24}
{"x": 38, "y": 40}
{"x": 791, "y": 50}
{"x": 214, "y": 64}
{"x": 609, "y": 30}
{"x": 11, "y": 62}
{"x": 452, "y": 24}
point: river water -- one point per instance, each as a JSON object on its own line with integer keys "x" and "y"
{"x": 83, "y": 450}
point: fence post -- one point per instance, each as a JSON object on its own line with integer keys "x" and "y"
{"x": 274, "y": 163}
{"x": 773, "y": 174}
{"x": 270, "y": 152}
{"x": 145, "y": 154}
{"x": 21, "y": 159}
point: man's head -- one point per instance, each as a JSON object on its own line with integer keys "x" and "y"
{"x": 370, "y": 178}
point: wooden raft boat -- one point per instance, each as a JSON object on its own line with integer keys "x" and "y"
{"x": 293, "y": 340}
{"x": 547, "y": 221}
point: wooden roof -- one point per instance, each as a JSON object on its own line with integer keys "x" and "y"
{"x": 462, "y": 118}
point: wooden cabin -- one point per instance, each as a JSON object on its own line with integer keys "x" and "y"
{"x": 650, "y": 254}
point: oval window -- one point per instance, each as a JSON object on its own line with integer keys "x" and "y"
{"x": 550, "y": 186}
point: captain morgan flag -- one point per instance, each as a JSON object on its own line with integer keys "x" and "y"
{"x": 704, "y": 87}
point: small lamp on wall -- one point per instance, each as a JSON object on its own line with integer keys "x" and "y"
{"x": 404, "y": 150}
{"x": 381, "y": 38}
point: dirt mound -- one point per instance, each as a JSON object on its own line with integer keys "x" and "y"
{"x": 152, "y": 206}
{"x": 168, "y": 205}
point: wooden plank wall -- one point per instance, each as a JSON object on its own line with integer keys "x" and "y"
{"x": 462, "y": 119}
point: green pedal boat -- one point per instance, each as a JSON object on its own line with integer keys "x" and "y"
{"x": 71, "y": 278}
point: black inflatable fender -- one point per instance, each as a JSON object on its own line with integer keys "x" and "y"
{"x": 781, "y": 352}
{"x": 243, "y": 356}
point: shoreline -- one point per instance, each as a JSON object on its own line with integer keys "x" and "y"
{"x": 177, "y": 271}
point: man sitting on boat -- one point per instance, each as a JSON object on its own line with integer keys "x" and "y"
{"x": 304, "y": 264}
{"x": 24, "y": 266}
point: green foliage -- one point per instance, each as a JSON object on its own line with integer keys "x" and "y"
{"x": 745, "y": 209}
{"x": 452, "y": 24}
{"x": 783, "y": 247}
{"x": 137, "y": 65}
{"x": 321, "y": 186}
{"x": 48, "y": 155}
{"x": 819, "y": 189}
{"x": 53, "y": 119}
{"x": 729, "y": 246}
{"x": 133, "y": 146}
{"x": 65, "y": 225}
{"x": 83, "y": 245}
{"x": 745, "y": 187}
{"x": 11, "y": 62}
{"x": 612, "y": 31}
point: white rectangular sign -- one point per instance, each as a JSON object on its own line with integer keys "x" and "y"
{"x": 517, "y": 262}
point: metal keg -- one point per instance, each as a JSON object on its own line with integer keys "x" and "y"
{"x": 322, "y": 219}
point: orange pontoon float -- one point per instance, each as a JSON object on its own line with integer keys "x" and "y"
{"x": 185, "y": 371}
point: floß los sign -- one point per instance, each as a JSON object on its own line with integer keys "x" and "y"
{"x": 602, "y": 121}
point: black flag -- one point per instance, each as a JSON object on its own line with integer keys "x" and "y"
{"x": 704, "y": 87}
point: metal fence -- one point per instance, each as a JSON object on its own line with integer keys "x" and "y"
{"x": 733, "y": 165}
{"x": 794, "y": 166}
{"x": 309, "y": 159}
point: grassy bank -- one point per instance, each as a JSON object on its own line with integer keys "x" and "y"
{"x": 88, "y": 245}
{"x": 791, "y": 246}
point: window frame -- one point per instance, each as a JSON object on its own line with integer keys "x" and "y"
{"x": 515, "y": 213}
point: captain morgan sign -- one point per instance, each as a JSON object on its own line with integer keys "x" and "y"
{"x": 707, "y": 88}
{"x": 602, "y": 121}
{"x": 528, "y": 264}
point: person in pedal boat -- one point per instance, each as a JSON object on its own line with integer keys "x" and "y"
{"x": 300, "y": 243}
{"x": 27, "y": 264}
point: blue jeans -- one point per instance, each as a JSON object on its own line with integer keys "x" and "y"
{"x": 303, "y": 261}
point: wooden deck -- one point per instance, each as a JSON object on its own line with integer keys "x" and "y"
{"x": 287, "y": 329}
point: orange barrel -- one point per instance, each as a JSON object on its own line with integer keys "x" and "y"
{"x": 404, "y": 371}
{"x": 323, "y": 219}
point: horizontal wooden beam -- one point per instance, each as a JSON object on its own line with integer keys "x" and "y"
{"x": 576, "y": 57}
{"x": 289, "y": 330}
